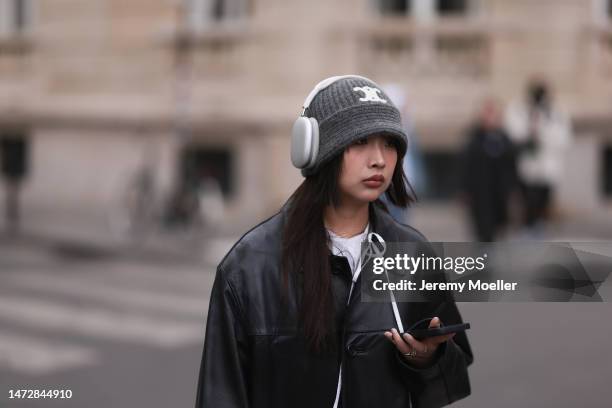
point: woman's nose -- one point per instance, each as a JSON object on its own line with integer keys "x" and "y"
{"x": 377, "y": 157}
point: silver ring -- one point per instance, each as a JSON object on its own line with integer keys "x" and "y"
{"x": 411, "y": 353}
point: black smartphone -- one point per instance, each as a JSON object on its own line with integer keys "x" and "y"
{"x": 420, "y": 334}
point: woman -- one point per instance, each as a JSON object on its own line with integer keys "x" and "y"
{"x": 542, "y": 133}
{"x": 286, "y": 327}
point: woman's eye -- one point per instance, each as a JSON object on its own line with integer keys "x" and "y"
{"x": 390, "y": 143}
{"x": 361, "y": 141}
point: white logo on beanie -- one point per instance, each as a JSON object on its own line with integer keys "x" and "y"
{"x": 369, "y": 94}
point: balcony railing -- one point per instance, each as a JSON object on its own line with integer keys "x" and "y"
{"x": 447, "y": 49}
{"x": 216, "y": 51}
{"x": 15, "y": 45}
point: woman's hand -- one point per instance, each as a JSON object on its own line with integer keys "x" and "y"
{"x": 418, "y": 353}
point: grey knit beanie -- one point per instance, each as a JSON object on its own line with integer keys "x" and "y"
{"x": 351, "y": 109}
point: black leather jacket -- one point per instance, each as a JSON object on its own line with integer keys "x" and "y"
{"x": 255, "y": 355}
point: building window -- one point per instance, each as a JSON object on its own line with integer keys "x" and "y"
{"x": 602, "y": 11}
{"x": 451, "y": 7}
{"x": 14, "y": 148}
{"x": 394, "y": 7}
{"x": 202, "y": 14}
{"x": 15, "y": 16}
{"x": 199, "y": 164}
{"x": 423, "y": 10}
{"x": 20, "y": 15}
{"x": 607, "y": 172}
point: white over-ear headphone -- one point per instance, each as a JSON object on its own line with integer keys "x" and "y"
{"x": 305, "y": 132}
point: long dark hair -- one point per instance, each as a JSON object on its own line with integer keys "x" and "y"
{"x": 305, "y": 248}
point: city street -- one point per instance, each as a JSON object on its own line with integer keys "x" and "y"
{"x": 140, "y": 140}
{"x": 126, "y": 330}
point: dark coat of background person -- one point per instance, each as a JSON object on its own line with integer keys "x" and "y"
{"x": 255, "y": 354}
{"x": 489, "y": 177}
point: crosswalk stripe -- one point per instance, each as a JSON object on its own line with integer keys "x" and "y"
{"x": 32, "y": 356}
{"x": 154, "y": 277}
{"x": 101, "y": 291}
{"x": 99, "y": 323}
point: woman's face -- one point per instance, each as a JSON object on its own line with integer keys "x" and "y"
{"x": 367, "y": 168}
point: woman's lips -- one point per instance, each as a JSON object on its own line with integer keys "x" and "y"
{"x": 374, "y": 181}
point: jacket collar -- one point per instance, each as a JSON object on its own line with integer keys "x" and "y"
{"x": 382, "y": 223}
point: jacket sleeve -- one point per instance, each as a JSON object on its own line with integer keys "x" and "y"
{"x": 223, "y": 379}
{"x": 447, "y": 379}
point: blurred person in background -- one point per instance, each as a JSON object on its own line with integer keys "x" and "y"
{"x": 542, "y": 134}
{"x": 286, "y": 325}
{"x": 489, "y": 173}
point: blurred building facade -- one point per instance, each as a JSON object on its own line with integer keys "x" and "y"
{"x": 99, "y": 90}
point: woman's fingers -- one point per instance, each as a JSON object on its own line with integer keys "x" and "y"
{"x": 395, "y": 338}
{"x": 436, "y": 322}
{"x": 406, "y": 343}
{"x": 420, "y": 347}
{"x": 440, "y": 339}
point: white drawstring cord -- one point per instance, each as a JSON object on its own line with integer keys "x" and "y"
{"x": 398, "y": 319}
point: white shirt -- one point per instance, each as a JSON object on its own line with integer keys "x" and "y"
{"x": 350, "y": 247}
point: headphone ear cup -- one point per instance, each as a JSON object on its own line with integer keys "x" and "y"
{"x": 300, "y": 147}
{"x": 304, "y": 142}
{"x": 314, "y": 142}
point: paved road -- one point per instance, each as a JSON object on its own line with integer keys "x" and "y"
{"x": 117, "y": 332}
